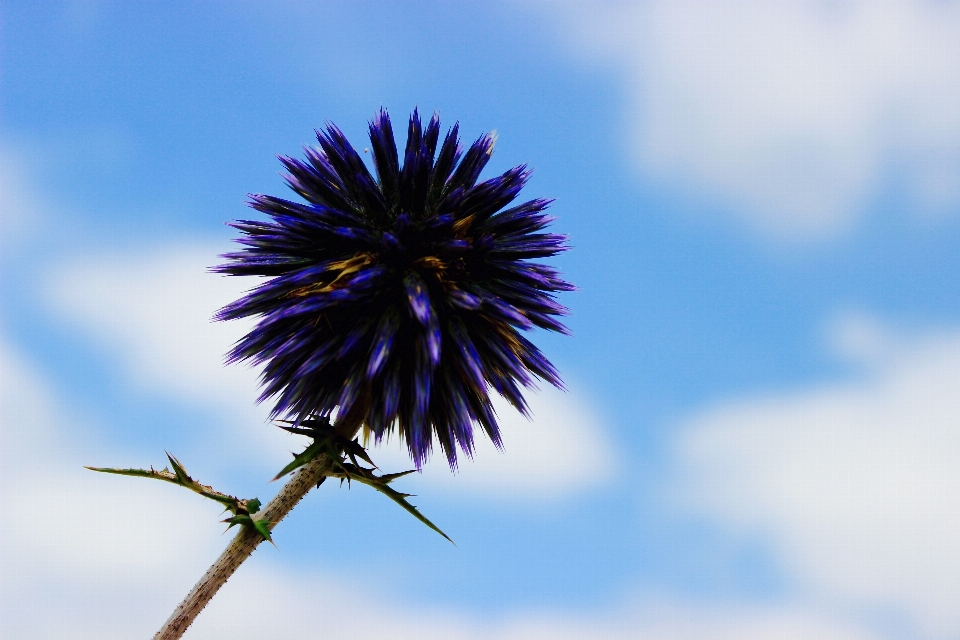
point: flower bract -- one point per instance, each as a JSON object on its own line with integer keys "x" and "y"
{"x": 405, "y": 289}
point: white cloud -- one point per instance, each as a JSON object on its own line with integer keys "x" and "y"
{"x": 19, "y": 209}
{"x": 794, "y": 113}
{"x": 83, "y": 555}
{"x": 153, "y": 311}
{"x": 562, "y": 450}
{"x": 72, "y": 542}
{"x": 858, "y": 484}
{"x": 858, "y": 337}
{"x": 362, "y": 616}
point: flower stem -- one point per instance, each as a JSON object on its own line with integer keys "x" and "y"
{"x": 240, "y": 548}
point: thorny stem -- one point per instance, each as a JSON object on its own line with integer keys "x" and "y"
{"x": 248, "y": 539}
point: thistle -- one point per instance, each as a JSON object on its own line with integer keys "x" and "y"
{"x": 406, "y": 291}
{"x": 394, "y": 302}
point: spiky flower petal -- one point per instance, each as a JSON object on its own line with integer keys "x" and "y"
{"x": 406, "y": 289}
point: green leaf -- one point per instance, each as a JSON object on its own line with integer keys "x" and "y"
{"x": 355, "y": 450}
{"x": 244, "y": 520}
{"x": 178, "y": 469}
{"x": 328, "y": 442}
{"x": 390, "y": 477}
{"x": 179, "y": 476}
{"x": 263, "y": 528}
{"x": 260, "y": 526}
{"x": 164, "y": 475}
{"x": 304, "y": 457}
{"x": 381, "y": 484}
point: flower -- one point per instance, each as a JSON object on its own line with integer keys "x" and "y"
{"x": 405, "y": 292}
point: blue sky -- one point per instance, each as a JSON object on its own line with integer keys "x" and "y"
{"x": 762, "y": 423}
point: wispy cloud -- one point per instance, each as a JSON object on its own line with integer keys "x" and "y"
{"x": 857, "y": 484}
{"x": 20, "y": 210}
{"x": 564, "y": 449}
{"x": 795, "y": 115}
{"x": 152, "y": 311}
{"x": 76, "y": 548}
{"x": 84, "y": 555}
{"x": 360, "y": 616}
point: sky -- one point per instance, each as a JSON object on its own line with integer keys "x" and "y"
{"x": 762, "y": 426}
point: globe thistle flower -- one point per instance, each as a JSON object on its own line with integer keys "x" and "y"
{"x": 406, "y": 292}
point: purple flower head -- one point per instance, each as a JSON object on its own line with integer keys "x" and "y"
{"x": 405, "y": 291}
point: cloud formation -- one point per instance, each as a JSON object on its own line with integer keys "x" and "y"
{"x": 153, "y": 312}
{"x": 84, "y": 555}
{"x": 564, "y": 449}
{"x": 857, "y": 484}
{"x": 795, "y": 115}
{"x": 78, "y": 550}
{"x": 363, "y": 617}
{"x": 19, "y": 209}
